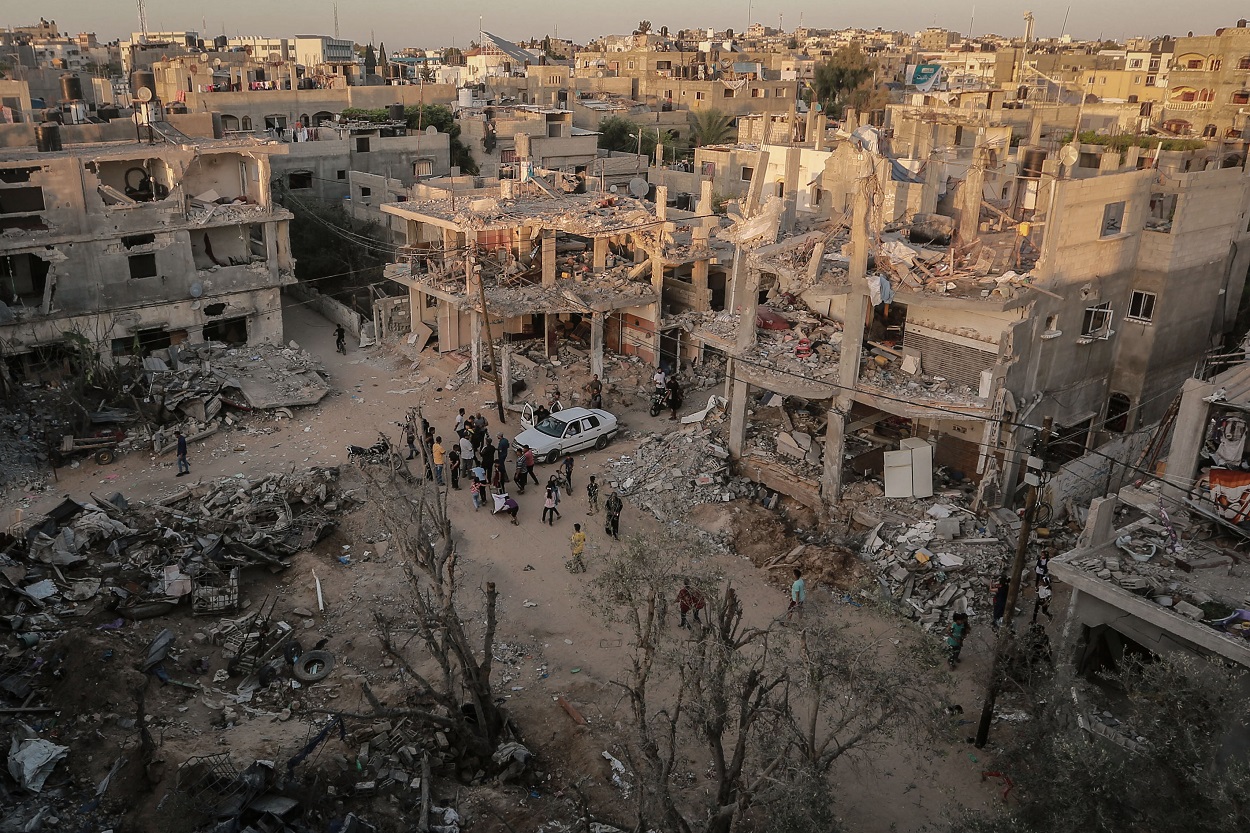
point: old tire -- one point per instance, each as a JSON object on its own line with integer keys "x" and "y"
{"x": 655, "y": 409}
{"x": 553, "y": 456}
{"x": 105, "y": 456}
{"x": 313, "y": 666}
{"x": 601, "y": 443}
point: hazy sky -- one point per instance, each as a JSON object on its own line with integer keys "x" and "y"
{"x": 427, "y": 24}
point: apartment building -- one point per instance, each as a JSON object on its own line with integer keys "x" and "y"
{"x": 136, "y": 245}
{"x": 1209, "y": 85}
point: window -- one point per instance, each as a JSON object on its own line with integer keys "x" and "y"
{"x": 143, "y": 266}
{"x": 699, "y": 96}
{"x": 1097, "y": 323}
{"x": 1118, "y": 407}
{"x": 299, "y": 180}
{"x": 366, "y": 192}
{"x": 590, "y": 422}
{"x": 362, "y": 144}
{"x": 342, "y": 175}
{"x": 728, "y": 93}
{"x": 1241, "y": 97}
{"x": 1141, "y": 306}
{"x": 245, "y": 123}
{"x": 757, "y": 92}
{"x": 138, "y": 240}
{"x": 747, "y": 173}
{"x": 21, "y": 200}
{"x": 422, "y": 167}
{"x": 1135, "y": 63}
{"x": 1112, "y": 219}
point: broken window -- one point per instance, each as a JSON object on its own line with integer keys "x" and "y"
{"x": 747, "y": 173}
{"x": 138, "y": 240}
{"x": 342, "y": 175}
{"x": 227, "y": 331}
{"x": 23, "y": 280}
{"x": 362, "y": 144}
{"x": 21, "y": 200}
{"x": 1141, "y": 306}
{"x": 1097, "y": 323}
{"x": 143, "y": 266}
{"x": 141, "y": 343}
{"x": 1112, "y": 219}
{"x": 299, "y": 180}
{"x": 1118, "y": 406}
{"x": 12, "y": 176}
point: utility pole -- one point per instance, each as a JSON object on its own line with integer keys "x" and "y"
{"x": 1033, "y": 477}
{"x": 490, "y": 345}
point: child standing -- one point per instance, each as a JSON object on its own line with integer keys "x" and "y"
{"x": 549, "y": 507}
{"x": 568, "y": 473}
{"x": 577, "y": 542}
{"x": 955, "y": 642}
{"x": 592, "y": 497}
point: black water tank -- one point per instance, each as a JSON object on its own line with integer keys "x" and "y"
{"x": 71, "y": 88}
{"x": 1031, "y": 160}
{"x": 140, "y": 79}
{"x": 48, "y": 137}
{"x": 397, "y": 112}
{"x": 107, "y": 112}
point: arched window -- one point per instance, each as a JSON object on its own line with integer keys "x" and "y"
{"x": 1244, "y": 63}
{"x": 321, "y": 116}
{"x": 1241, "y": 97}
{"x": 1208, "y": 132}
{"x": 229, "y": 123}
{"x": 304, "y": 120}
{"x": 246, "y": 123}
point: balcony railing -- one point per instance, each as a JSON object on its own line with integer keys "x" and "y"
{"x": 1187, "y": 105}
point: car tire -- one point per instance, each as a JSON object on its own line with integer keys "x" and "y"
{"x": 602, "y": 442}
{"x": 553, "y": 456}
{"x": 313, "y": 666}
{"x": 104, "y": 456}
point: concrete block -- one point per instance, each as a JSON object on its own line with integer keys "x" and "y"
{"x": 1186, "y": 609}
{"x": 947, "y": 528}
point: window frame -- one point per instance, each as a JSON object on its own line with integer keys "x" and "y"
{"x": 1144, "y": 303}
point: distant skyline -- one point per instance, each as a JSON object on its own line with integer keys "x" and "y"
{"x": 404, "y": 24}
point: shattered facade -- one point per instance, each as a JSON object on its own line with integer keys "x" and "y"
{"x": 148, "y": 243}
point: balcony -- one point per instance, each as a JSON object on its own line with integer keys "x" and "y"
{"x": 1187, "y": 105}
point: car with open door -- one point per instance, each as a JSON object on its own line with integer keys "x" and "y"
{"x": 565, "y": 431}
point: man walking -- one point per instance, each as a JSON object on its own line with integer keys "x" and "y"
{"x": 1042, "y": 605}
{"x": 183, "y": 466}
{"x": 592, "y": 497}
{"x": 1000, "y": 600}
{"x": 410, "y": 436}
{"x": 568, "y": 473}
{"x": 501, "y": 448}
{"x": 453, "y": 464}
{"x": 466, "y": 456}
{"x": 488, "y": 454}
{"x": 578, "y": 547}
{"x": 798, "y": 595}
{"x": 440, "y": 456}
{"x": 613, "y": 507}
{"x": 529, "y": 464}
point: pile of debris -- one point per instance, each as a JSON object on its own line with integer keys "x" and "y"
{"x": 934, "y": 559}
{"x": 671, "y": 473}
{"x": 197, "y": 380}
{"x": 900, "y": 373}
{"x": 149, "y": 558}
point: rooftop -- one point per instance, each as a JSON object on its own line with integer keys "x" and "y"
{"x": 585, "y": 214}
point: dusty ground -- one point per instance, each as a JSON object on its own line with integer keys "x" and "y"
{"x": 907, "y": 786}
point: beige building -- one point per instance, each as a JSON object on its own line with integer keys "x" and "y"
{"x": 1209, "y": 85}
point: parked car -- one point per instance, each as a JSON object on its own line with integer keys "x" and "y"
{"x": 566, "y": 431}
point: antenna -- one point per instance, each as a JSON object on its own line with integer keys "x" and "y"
{"x": 1063, "y": 30}
{"x": 336, "y": 21}
{"x": 973, "y": 22}
{"x": 143, "y": 21}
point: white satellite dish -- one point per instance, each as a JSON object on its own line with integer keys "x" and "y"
{"x": 1069, "y": 155}
{"x": 431, "y": 130}
{"x": 195, "y": 304}
{"x": 204, "y": 57}
{"x": 144, "y": 95}
{"x": 197, "y": 289}
{"x": 639, "y": 187}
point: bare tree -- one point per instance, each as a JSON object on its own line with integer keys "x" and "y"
{"x": 415, "y": 515}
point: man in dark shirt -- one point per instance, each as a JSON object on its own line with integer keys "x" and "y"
{"x": 183, "y": 466}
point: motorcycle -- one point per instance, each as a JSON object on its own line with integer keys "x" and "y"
{"x": 376, "y": 453}
{"x": 660, "y": 400}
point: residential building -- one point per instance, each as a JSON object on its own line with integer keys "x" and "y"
{"x": 134, "y": 246}
{"x": 1209, "y": 85}
{"x": 935, "y": 39}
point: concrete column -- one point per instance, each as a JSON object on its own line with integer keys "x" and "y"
{"x": 970, "y": 194}
{"x": 661, "y": 202}
{"x": 600, "y": 253}
{"x": 549, "y": 257}
{"x": 791, "y": 197}
{"x": 475, "y": 339}
{"x": 596, "y": 344}
{"x": 1100, "y": 525}
{"x": 1130, "y": 158}
{"x": 852, "y": 349}
{"x": 1035, "y": 126}
{"x": 705, "y": 198}
{"x": 817, "y": 136}
{"x": 809, "y": 130}
{"x": 505, "y": 371}
{"x": 738, "y": 391}
{"x": 1187, "y": 436}
{"x": 271, "y": 249}
{"x": 1109, "y": 162}
{"x": 659, "y": 154}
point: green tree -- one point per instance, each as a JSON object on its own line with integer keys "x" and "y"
{"x": 710, "y": 127}
{"x": 835, "y": 80}
{"x": 453, "y": 57}
{"x": 1180, "y": 765}
{"x": 618, "y": 133}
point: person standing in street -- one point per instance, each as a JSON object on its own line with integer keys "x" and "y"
{"x": 1000, "y": 600}
{"x": 183, "y": 466}
{"x": 477, "y": 492}
{"x": 613, "y": 507}
{"x": 453, "y": 465}
{"x": 410, "y": 436}
{"x": 568, "y": 473}
{"x": 488, "y": 454}
{"x": 529, "y": 464}
{"x": 592, "y": 497}
{"x": 1042, "y": 605}
{"x": 460, "y": 421}
{"x": 1041, "y": 571}
{"x": 549, "y": 507}
{"x": 501, "y": 448}
{"x": 553, "y": 487}
{"x": 689, "y": 600}
{"x": 577, "y": 542}
{"x": 466, "y": 456}
{"x": 955, "y": 641}
{"x": 440, "y": 457}
{"x": 798, "y": 595}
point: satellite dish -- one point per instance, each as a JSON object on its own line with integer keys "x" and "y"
{"x": 613, "y": 189}
{"x": 204, "y": 57}
{"x": 639, "y": 187}
{"x": 431, "y": 130}
{"x": 1069, "y": 155}
{"x": 195, "y": 304}
{"x": 197, "y": 289}
{"x": 144, "y": 95}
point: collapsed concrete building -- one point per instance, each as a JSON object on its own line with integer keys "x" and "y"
{"x": 134, "y": 243}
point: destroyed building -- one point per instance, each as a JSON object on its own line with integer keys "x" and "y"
{"x": 135, "y": 244}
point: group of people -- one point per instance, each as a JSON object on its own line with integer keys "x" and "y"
{"x": 960, "y": 628}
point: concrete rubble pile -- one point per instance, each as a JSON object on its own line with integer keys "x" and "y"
{"x": 197, "y": 380}
{"x": 934, "y": 557}
{"x": 671, "y": 473}
{"x": 902, "y": 375}
{"x": 146, "y": 559}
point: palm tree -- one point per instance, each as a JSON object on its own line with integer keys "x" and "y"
{"x": 710, "y": 127}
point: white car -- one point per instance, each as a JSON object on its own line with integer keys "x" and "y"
{"x": 566, "y": 431}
